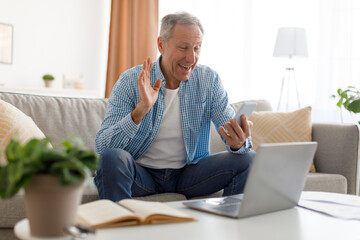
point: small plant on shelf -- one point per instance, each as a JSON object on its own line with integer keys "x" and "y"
{"x": 48, "y": 78}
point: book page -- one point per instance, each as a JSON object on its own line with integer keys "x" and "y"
{"x": 104, "y": 213}
{"x": 154, "y": 212}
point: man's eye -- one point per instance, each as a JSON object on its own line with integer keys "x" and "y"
{"x": 182, "y": 48}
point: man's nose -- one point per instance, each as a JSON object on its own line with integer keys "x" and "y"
{"x": 191, "y": 56}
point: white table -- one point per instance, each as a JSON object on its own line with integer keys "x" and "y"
{"x": 294, "y": 224}
{"x": 22, "y": 231}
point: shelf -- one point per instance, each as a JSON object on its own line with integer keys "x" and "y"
{"x": 81, "y": 93}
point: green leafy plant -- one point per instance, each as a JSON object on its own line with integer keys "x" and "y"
{"x": 48, "y": 77}
{"x": 348, "y": 98}
{"x": 71, "y": 164}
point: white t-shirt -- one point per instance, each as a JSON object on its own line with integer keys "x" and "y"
{"x": 168, "y": 148}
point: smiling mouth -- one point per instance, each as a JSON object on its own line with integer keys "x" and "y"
{"x": 186, "y": 68}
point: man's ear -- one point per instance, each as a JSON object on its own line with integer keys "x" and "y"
{"x": 160, "y": 44}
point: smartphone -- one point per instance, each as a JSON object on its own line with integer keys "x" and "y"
{"x": 246, "y": 108}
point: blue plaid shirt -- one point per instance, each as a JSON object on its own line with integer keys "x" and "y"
{"x": 202, "y": 100}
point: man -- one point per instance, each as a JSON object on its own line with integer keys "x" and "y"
{"x": 155, "y": 135}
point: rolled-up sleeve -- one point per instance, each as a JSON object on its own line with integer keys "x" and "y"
{"x": 118, "y": 128}
{"x": 244, "y": 148}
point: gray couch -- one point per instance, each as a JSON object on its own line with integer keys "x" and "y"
{"x": 336, "y": 159}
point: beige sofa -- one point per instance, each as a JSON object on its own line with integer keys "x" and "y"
{"x": 336, "y": 159}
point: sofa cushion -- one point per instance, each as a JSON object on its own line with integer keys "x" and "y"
{"x": 338, "y": 151}
{"x": 277, "y": 127}
{"x": 91, "y": 194}
{"x": 62, "y": 117}
{"x": 12, "y": 121}
{"x": 8, "y": 234}
{"x": 12, "y": 210}
{"x": 326, "y": 182}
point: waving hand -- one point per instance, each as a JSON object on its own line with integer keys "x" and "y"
{"x": 148, "y": 94}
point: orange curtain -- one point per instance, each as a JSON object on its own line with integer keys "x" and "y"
{"x": 133, "y": 35}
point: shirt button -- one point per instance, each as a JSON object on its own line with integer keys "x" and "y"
{"x": 132, "y": 131}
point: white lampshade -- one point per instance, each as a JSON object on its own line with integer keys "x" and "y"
{"x": 291, "y": 42}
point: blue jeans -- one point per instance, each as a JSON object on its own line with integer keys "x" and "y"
{"x": 120, "y": 177}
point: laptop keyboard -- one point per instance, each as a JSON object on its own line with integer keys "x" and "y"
{"x": 227, "y": 209}
{"x": 225, "y": 205}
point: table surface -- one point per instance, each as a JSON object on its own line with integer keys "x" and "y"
{"x": 296, "y": 224}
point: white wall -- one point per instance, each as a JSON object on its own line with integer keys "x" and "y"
{"x": 240, "y": 37}
{"x": 58, "y": 37}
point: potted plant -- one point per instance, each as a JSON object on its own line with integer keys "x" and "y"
{"x": 48, "y": 78}
{"x": 349, "y": 99}
{"x": 53, "y": 179}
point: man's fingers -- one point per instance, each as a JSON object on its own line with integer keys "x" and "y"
{"x": 145, "y": 64}
{"x": 231, "y": 139}
{"x": 144, "y": 76}
{"x": 236, "y": 127}
{"x": 245, "y": 125}
{"x": 236, "y": 133}
{"x": 149, "y": 64}
{"x": 224, "y": 134}
{"x": 141, "y": 77}
{"x": 230, "y": 130}
{"x": 157, "y": 85}
{"x": 251, "y": 124}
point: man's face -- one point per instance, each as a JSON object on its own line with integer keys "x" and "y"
{"x": 181, "y": 53}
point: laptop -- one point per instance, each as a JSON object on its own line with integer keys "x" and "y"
{"x": 275, "y": 182}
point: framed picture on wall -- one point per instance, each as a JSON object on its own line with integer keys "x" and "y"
{"x": 6, "y": 43}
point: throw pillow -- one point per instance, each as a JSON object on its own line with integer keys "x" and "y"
{"x": 277, "y": 127}
{"x": 12, "y": 121}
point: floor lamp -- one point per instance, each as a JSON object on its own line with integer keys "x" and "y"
{"x": 290, "y": 42}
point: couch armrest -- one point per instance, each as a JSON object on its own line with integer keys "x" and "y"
{"x": 338, "y": 151}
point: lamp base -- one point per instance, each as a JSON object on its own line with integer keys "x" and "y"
{"x": 289, "y": 91}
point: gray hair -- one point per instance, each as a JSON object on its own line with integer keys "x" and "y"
{"x": 169, "y": 21}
